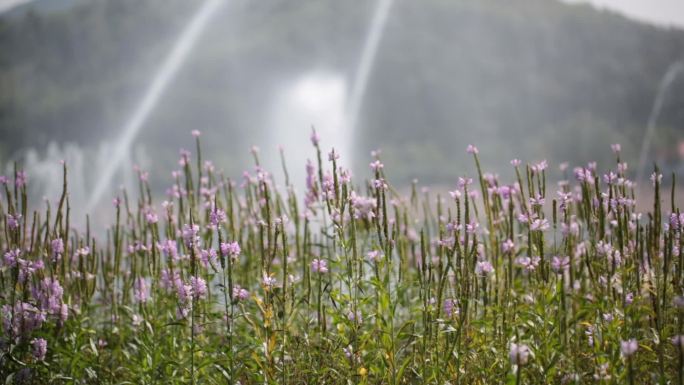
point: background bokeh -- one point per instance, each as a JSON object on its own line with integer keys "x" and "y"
{"x": 528, "y": 79}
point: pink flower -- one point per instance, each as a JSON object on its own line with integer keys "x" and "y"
{"x": 678, "y": 340}
{"x": 519, "y": 354}
{"x": 319, "y": 266}
{"x": 450, "y": 307}
{"x": 629, "y": 347}
{"x": 560, "y": 264}
{"x": 216, "y": 217}
{"x": 151, "y": 217}
{"x": 190, "y": 235}
{"x": 141, "y": 291}
{"x": 376, "y": 165}
{"x": 13, "y": 221}
{"x": 472, "y": 150}
{"x": 57, "y": 248}
{"x": 539, "y": 225}
{"x": 483, "y": 268}
{"x": 268, "y": 281}
{"x": 374, "y": 255}
{"x": 20, "y": 179}
{"x": 315, "y": 139}
{"x": 508, "y": 246}
{"x": 199, "y": 287}
{"x": 239, "y": 293}
{"x": 333, "y": 156}
{"x": 39, "y": 348}
{"x": 230, "y": 248}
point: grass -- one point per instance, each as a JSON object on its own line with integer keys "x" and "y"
{"x": 239, "y": 282}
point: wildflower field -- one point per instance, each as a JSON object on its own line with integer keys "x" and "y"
{"x": 243, "y": 282}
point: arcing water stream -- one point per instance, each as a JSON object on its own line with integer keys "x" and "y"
{"x": 160, "y": 82}
{"x": 670, "y": 75}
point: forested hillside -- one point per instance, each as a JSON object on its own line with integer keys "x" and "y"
{"x": 535, "y": 75}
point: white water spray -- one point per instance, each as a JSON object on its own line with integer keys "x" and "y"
{"x": 670, "y": 75}
{"x": 316, "y": 99}
{"x": 166, "y": 73}
{"x": 320, "y": 99}
{"x": 370, "y": 50}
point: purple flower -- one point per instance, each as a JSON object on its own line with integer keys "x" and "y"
{"x": 464, "y": 181}
{"x": 230, "y": 248}
{"x": 374, "y": 255}
{"x": 239, "y": 293}
{"x": 629, "y": 298}
{"x": 319, "y": 266}
{"x": 207, "y": 257}
{"x": 169, "y": 248}
{"x": 151, "y": 217}
{"x": 560, "y": 264}
{"x": 268, "y": 281}
{"x": 332, "y": 155}
{"x": 183, "y": 291}
{"x": 168, "y": 280}
{"x": 376, "y": 165}
{"x": 216, "y": 217}
{"x": 538, "y": 201}
{"x": 355, "y": 317}
{"x": 190, "y": 235}
{"x": 527, "y": 263}
{"x": 48, "y": 293}
{"x": 13, "y": 221}
{"x": 315, "y": 139}
{"x": 519, "y": 354}
{"x": 678, "y": 340}
{"x": 604, "y": 248}
{"x": 483, "y": 268}
{"x": 141, "y": 290}
{"x": 196, "y": 133}
{"x": 12, "y": 257}
{"x": 450, "y": 307}
{"x": 539, "y": 167}
{"x": 472, "y": 150}
{"x": 628, "y": 347}
{"x": 678, "y": 301}
{"x": 363, "y": 206}
{"x": 508, "y": 246}
{"x": 21, "y": 319}
{"x": 57, "y": 248}
{"x": 539, "y": 225}
{"x": 20, "y": 179}
{"x": 615, "y": 147}
{"x": 345, "y": 175}
{"x": 39, "y": 348}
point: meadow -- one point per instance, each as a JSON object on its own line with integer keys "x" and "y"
{"x": 239, "y": 281}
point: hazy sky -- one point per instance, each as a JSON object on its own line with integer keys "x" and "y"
{"x": 7, "y": 4}
{"x": 663, "y": 12}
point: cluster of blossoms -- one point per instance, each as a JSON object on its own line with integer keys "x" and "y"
{"x": 319, "y": 266}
